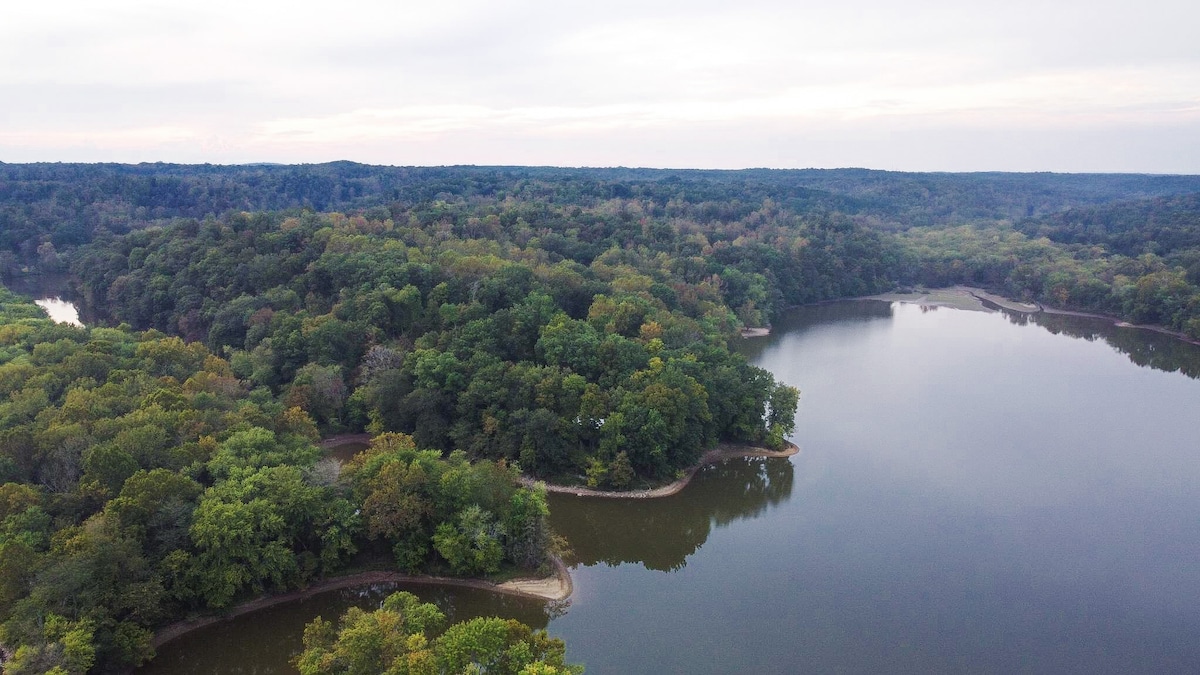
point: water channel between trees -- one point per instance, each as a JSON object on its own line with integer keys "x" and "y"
{"x": 48, "y": 292}
{"x": 975, "y": 492}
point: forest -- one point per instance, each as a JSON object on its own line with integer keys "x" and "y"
{"x": 572, "y": 325}
{"x": 144, "y": 482}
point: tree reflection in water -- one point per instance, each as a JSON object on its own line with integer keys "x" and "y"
{"x": 264, "y": 641}
{"x": 1144, "y": 347}
{"x": 661, "y": 533}
{"x": 825, "y": 316}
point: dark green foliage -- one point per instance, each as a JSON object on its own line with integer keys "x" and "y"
{"x": 1161, "y": 226}
{"x": 472, "y": 515}
{"x": 144, "y": 482}
{"x": 48, "y": 209}
{"x": 495, "y": 346}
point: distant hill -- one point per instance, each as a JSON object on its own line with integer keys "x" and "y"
{"x": 65, "y": 205}
{"x": 1162, "y": 225}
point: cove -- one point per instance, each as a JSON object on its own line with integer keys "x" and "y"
{"x": 975, "y": 492}
{"x": 51, "y": 292}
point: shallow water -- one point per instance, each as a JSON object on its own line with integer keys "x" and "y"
{"x": 974, "y": 493}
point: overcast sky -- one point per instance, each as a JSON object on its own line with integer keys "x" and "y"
{"x": 916, "y": 85}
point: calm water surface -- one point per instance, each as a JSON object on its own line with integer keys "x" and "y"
{"x": 972, "y": 495}
{"x": 48, "y": 291}
{"x": 975, "y": 493}
{"x": 264, "y": 642}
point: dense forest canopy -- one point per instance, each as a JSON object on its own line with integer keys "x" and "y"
{"x": 53, "y": 207}
{"x": 558, "y": 337}
{"x": 142, "y": 481}
{"x": 479, "y": 323}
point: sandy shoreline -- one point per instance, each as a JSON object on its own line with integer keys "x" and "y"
{"x": 718, "y": 454}
{"x": 555, "y": 587}
{"x": 970, "y": 298}
{"x": 958, "y": 297}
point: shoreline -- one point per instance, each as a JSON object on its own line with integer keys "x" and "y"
{"x": 331, "y": 442}
{"x": 944, "y": 297}
{"x": 557, "y": 587}
{"x": 554, "y": 588}
{"x": 720, "y": 453}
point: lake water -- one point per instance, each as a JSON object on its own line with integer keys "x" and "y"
{"x": 974, "y": 493}
{"x": 60, "y": 310}
{"x": 48, "y": 290}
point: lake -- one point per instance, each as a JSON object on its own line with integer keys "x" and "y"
{"x": 47, "y": 291}
{"x": 975, "y": 492}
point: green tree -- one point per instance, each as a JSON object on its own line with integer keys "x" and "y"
{"x": 471, "y": 544}
{"x": 395, "y": 640}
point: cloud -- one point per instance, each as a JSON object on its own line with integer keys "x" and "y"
{"x": 279, "y": 80}
{"x": 1042, "y": 100}
{"x": 118, "y": 140}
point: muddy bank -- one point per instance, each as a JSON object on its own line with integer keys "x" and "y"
{"x": 718, "y": 454}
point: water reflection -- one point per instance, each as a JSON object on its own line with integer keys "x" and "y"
{"x": 60, "y": 311}
{"x": 40, "y": 285}
{"x": 822, "y": 316}
{"x": 1142, "y": 346}
{"x": 972, "y": 496}
{"x": 263, "y": 642}
{"x": 660, "y": 534}
{"x": 54, "y": 293}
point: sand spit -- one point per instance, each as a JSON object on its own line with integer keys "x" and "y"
{"x": 977, "y": 299}
{"x": 958, "y": 297}
{"x": 718, "y": 454}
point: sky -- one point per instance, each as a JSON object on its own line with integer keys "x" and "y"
{"x": 920, "y": 85}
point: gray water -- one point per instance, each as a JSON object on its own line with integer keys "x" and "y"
{"x": 974, "y": 493}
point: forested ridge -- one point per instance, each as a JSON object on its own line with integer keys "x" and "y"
{"x": 570, "y": 324}
{"x": 1138, "y": 260}
{"x": 468, "y": 326}
{"x": 47, "y": 209}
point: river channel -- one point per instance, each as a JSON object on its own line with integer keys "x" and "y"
{"x": 975, "y": 492}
